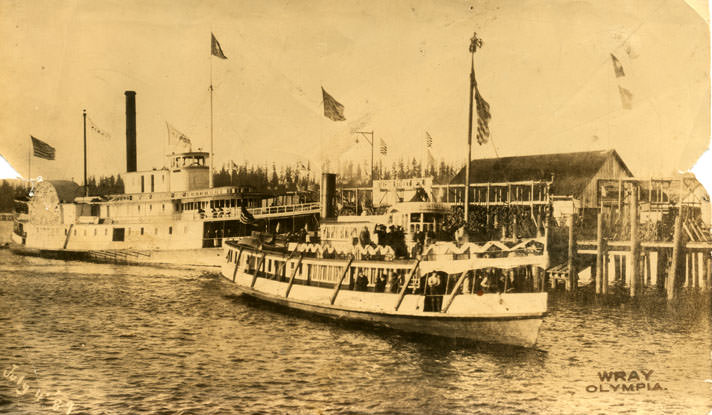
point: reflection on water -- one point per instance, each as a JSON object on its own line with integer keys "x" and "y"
{"x": 140, "y": 340}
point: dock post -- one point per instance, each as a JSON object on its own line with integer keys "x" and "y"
{"x": 571, "y": 280}
{"x": 599, "y": 253}
{"x": 605, "y": 268}
{"x": 707, "y": 270}
{"x": 634, "y": 243}
{"x": 671, "y": 281}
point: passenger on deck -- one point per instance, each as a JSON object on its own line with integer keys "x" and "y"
{"x": 361, "y": 282}
{"x": 380, "y": 283}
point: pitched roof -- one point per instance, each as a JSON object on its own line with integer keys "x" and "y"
{"x": 571, "y": 171}
{"x": 67, "y": 190}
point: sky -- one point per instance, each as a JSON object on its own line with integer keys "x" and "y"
{"x": 400, "y": 68}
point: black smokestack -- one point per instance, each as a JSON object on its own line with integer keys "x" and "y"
{"x": 130, "y": 131}
{"x": 328, "y": 191}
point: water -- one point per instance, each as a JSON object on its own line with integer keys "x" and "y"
{"x": 108, "y": 339}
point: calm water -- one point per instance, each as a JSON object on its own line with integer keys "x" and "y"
{"x": 132, "y": 340}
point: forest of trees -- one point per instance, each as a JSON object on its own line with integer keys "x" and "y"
{"x": 263, "y": 178}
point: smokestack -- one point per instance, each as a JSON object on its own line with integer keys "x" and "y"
{"x": 327, "y": 191}
{"x": 130, "y": 131}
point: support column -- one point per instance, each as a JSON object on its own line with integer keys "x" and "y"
{"x": 599, "y": 253}
{"x": 571, "y": 280}
{"x": 671, "y": 281}
{"x": 634, "y": 243}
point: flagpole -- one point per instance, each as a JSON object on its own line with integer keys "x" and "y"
{"x": 29, "y": 161}
{"x": 86, "y": 187}
{"x": 211, "y": 121}
{"x": 469, "y": 129}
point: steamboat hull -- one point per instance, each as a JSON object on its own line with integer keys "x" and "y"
{"x": 516, "y": 331}
{"x": 511, "y": 319}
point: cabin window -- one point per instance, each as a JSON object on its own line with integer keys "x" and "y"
{"x": 152, "y": 184}
{"x": 118, "y": 235}
{"x": 163, "y": 207}
{"x": 141, "y": 231}
{"x": 142, "y": 185}
{"x": 170, "y": 230}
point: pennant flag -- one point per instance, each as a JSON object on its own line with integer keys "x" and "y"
{"x": 617, "y": 67}
{"x": 41, "y": 149}
{"x": 245, "y": 216}
{"x": 215, "y": 48}
{"x": 626, "y": 98}
{"x": 333, "y": 110}
{"x": 483, "y": 117}
{"x": 96, "y": 129}
{"x": 384, "y": 147}
{"x": 175, "y": 137}
{"x": 428, "y": 140}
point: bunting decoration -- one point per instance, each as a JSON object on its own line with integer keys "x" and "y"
{"x": 42, "y": 150}
{"x": 96, "y": 129}
{"x": 215, "y": 48}
{"x": 333, "y": 110}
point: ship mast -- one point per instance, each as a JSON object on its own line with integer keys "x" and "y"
{"x": 86, "y": 185}
{"x": 475, "y": 42}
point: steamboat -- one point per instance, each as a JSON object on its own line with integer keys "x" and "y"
{"x": 403, "y": 278}
{"x": 170, "y": 216}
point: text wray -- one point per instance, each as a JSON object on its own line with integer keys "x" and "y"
{"x": 623, "y": 376}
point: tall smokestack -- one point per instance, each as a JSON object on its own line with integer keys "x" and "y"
{"x": 130, "y": 131}
{"x": 328, "y": 190}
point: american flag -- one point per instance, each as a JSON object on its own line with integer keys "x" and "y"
{"x": 333, "y": 110}
{"x": 483, "y": 117}
{"x": 384, "y": 147}
{"x": 41, "y": 149}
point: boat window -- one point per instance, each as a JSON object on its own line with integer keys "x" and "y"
{"x": 415, "y": 217}
{"x": 170, "y": 230}
{"x": 141, "y": 231}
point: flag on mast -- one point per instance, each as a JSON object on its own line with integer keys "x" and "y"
{"x": 617, "y": 67}
{"x": 42, "y": 150}
{"x": 384, "y": 147}
{"x": 176, "y": 137}
{"x": 215, "y": 48}
{"x": 483, "y": 117}
{"x": 333, "y": 110}
{"x": 626, "y": 98}
{"x": 428, "y": 140}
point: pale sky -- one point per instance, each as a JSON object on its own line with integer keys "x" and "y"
{"x": 400, "y": 68}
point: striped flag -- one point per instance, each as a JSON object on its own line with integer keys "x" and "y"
{"x": 41, "y": 149}
{"x": 483, "y": 118}
{"x": 333, "y": 110}
{"x": 245, "y": 216}
{"x": 384, "y": 147}
{"x": 215, "y": 48}
{"x": 428, "y": 140}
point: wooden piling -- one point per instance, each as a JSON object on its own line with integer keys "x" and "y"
{"x": 708, "y": 271}
{"x": 671, "y": 281}
{"x": 571, "y": 280}
{"x": 634, "y": 243}
{"x": 606, "y": 261}
{"x": 600, "y": 263}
